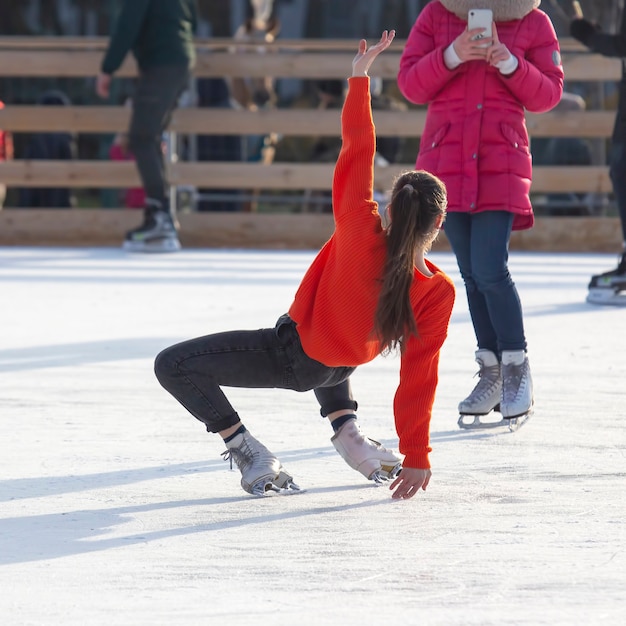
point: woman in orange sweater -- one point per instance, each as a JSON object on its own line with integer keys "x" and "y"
{"x": 370, "y": 290}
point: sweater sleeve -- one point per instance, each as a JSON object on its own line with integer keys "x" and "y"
{"x": 125, "y": 32}
{"x": 608, "y": 45}
{"x": 353, "y": 178}
{"x": 419, "y": 375}
{"x": 538, "y": 81}
{"x": 423, "y": 71}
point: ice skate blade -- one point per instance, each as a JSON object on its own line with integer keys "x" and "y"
{"x": 476, "y": 423}
{"x": 391, "y": 471}
{"x": 267, "y": 488}
{"x": 378, "y": 477}
{"x": 154, "y": 246}
{"x": 385, "y": 473}
{"x": 515, "y": 423}
{"x": 610, "y": 296}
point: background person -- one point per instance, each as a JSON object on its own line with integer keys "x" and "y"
{"x": 611, "y": 45}
{"x": 160, "y": 34}
{"x": 475, "y": 140}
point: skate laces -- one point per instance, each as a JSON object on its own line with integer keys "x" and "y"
{"x": 233, "y": 453}
{"x": 514, "y": 380}
{"x": 246, "y": 454}
{"x": 489, "y": 375}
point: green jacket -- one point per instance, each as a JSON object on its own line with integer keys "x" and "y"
{"x": 159, "y": 32}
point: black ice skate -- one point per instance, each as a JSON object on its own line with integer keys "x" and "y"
{"x": 610, "y": 287}
{"x": 156, "y": 234}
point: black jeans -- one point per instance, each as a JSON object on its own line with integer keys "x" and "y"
{"x": 193, "y": 371}
{"x": 156, "y": 97}
{"x": 617, "y": 160}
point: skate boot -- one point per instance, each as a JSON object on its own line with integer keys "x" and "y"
{"x": 486, "y": 395}
{"x": 156, "y": 234}
{"x": 261, "y": 471}
{"x": 365, "y": 455}
{"x": 610, "y": 287}
{"x": 517, "y": 386}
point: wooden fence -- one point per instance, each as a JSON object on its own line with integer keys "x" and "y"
{"x": 32, "y": 57}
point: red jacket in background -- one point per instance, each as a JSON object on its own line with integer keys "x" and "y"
{"x": 475, "y": 138}
{"x": 6, "y": 142}
{"x": 134, "y": 197}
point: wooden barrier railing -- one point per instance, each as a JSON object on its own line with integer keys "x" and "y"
{"x": 31, "y": 57}
{"x": 80, "y": 57}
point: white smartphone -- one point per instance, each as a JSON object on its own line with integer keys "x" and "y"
{"x": 480, "y": 18}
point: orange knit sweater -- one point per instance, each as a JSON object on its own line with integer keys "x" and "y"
{"x": 335, "y": 304}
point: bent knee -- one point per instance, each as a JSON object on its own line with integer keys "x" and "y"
{"x": 165, "y": 365}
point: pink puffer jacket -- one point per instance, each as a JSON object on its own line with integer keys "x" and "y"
{"x": 475, "y": 138}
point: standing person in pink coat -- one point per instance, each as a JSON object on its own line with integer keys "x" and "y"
{"x": 475, "y": 140}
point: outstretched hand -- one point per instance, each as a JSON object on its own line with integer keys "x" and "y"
{"x": 409, "y": 482}
{"x": 365, "y": 57}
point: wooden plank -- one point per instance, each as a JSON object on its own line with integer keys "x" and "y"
{"x": 567, "y": 44}
{"x": 583, "y": 124}
{"x": 278, "y": 176}
{"x": 85, "y": 227}
{"x": 305, "y": 65}
{"x": 75, "y": 119}
{"x": 287, "y": 122}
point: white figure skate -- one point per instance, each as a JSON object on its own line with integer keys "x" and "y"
{"x": 261, "y": 471}
{"x": 365, "y": 455}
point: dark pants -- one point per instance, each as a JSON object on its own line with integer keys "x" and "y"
{"x": 194, "y": 371}
{"x": 617, "y": 161}
{"x": 480, "y": 242}
{"x": 156, "y": 97}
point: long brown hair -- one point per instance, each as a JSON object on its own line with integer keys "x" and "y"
{"x": 418, "y": 200}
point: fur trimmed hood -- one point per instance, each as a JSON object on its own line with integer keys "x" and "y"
{"x": 503, "y": 10}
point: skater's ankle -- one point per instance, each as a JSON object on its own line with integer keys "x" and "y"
{"x": 338, "y": 422}
{"x": 230, "y": 433}
{"x": 513, "y": 357}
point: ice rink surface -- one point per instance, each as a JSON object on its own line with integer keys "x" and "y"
{"x": 117, "y": 509}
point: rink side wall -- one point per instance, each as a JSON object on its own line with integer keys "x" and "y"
{"x": 312, "y": 59}
{"x": 103, "y": 228}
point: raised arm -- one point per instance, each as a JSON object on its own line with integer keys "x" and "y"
{"x": 354, "y": 172}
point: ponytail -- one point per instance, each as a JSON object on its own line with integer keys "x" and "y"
{"x": 418, "y": 199}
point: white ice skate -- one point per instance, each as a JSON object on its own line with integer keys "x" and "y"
{"x": 610, "y": 287}
{"x": 475, "y": 410}
{"x": 517, "y": 388}
{"x": 365, "y": 455}
{"x": 261, "y": 471}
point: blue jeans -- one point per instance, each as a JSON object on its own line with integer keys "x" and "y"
{"x": 617, "y": 170}
{"x": 194, "y": 371}
{"x": 480, "y": 242}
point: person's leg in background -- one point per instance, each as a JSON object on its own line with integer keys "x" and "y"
{"x": 617, "y": 171}
{"x": 487, "y": 393}
{"x": 480, "y": 242}
{"x": 154, "y": 101}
